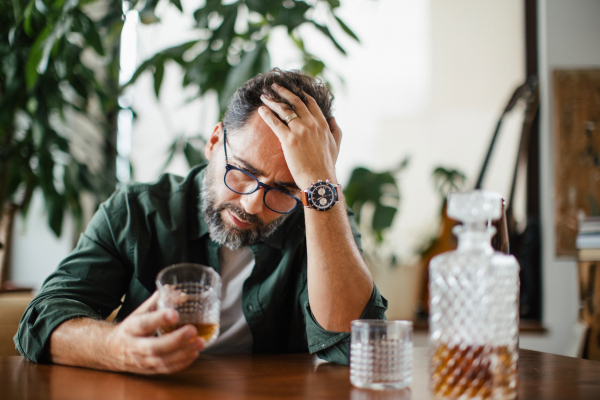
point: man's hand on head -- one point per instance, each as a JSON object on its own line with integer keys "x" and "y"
{"x": 136, "y": 348}
{"x": 310, "y": 142}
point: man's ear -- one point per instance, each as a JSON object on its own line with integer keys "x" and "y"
{"x": 213, "y": 141}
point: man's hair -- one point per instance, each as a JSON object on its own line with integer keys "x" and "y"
{"x": 246, "y": 99}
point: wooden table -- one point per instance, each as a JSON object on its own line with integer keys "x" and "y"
{"x": 294, "y": 376}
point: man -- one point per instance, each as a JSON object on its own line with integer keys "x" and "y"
{"x": 293, "y": 277}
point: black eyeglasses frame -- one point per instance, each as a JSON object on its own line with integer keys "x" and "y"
{"x": 267, "y": 188}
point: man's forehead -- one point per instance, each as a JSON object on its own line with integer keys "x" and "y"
{"x": 255, "y": 134}
{"x": 259, "y": 150}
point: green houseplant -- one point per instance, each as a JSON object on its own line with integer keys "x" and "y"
{"x": 380, "y": 190}
{"x": 57, "y": 66}
{"x": 232, "y": 48}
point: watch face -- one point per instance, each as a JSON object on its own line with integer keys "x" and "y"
{"x": 322, "y": 196}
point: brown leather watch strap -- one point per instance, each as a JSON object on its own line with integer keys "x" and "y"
{"x": 304, "y": 196}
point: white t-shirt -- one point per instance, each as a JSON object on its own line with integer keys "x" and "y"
{"x": 235, "y": 335}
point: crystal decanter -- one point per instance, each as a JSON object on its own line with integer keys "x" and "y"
{"x": 474, "y": 316}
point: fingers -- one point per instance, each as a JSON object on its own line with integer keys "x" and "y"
{"x": 282, "y": 109}
{"x": 336, "y": 132}
{"x": 190, "y": 348}
{"x": 172, "y": 297}
{"x": 315, "y": 110}
{"x": 147, "y": 324}
{"x": 310, "y": 113}
{"x": 278, "y": 127}
{"x": 180, "y": 338}
{"x": 149, "y": 363}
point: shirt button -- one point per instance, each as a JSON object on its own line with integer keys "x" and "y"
{"x": 249, "y": 307}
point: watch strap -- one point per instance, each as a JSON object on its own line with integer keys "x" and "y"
{"x": 304, "y": 196}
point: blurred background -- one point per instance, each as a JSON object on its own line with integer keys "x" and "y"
{"x": 420, "y": 86}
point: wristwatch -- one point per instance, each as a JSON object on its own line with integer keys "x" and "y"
{"x": 321, "y": 195}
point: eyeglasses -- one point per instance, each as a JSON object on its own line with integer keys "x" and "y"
{"x": 242, "y": 182}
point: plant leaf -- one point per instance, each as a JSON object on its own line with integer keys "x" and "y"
{"x": 263, "y": 7}
{"x": 313, "y": 67}
{"x": 292, "y": 17}
{"x": 79, "y": 84}
{"x": 193, "y": 155}
{"x": 383, "y": 217}
{"x": 366, "y": 186}
{"x": 177, "y": 3}
{"x": 158, "y": 78}
{"x": 171, "y": 153}
{"x": 35, "y": 57}
{"x": 239, "y": 74}
{"x": 347, "y": 29}
{"x": 56, "y": 213}
{"x": 28, "y": 15}
{"x": 174, "y": 53}
{"x": 201, "y": 14}
{"x": 326, "y": 32}
{"x": 297, "y": 39}
{"x": 147, "y": 15}
{"x": 89, "y": 32}
{"x": 225, "y": 31}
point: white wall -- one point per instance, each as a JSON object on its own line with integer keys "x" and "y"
{"x": 569, "y": 37}
{"x": 429, "y": 81}
{"x": 36, "y": 250}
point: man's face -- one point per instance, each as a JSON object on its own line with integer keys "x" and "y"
{"x": 237, "y": 220}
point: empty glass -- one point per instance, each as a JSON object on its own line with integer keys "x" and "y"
{"x": 193, "y": 290}
{"x": 381, "y": 354}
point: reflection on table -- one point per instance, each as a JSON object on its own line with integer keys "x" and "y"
{"x": 276, "y": 376}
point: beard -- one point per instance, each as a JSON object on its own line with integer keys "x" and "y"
{"x": 226, "y": 234}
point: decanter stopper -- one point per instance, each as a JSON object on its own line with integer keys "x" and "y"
{"x": 475, "y": 206}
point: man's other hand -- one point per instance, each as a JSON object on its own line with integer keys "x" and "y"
{"x": 136, "y": 348}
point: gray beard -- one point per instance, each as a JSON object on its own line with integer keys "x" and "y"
{"x": 223, "y": 233}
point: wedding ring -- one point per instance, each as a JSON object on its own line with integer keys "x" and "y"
{"x": 290, "y": 117}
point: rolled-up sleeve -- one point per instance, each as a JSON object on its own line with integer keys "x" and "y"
{"x": 90, "y": 282}
{"x": 335, "y": 346}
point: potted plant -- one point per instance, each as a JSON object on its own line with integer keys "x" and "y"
{"x": 58, "y": 66}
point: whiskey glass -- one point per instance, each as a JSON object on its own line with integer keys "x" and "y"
{"x": 381, "y": 354}
{"x": 194, "y": 291}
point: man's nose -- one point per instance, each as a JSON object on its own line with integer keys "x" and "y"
{"x": 253, "y": 203}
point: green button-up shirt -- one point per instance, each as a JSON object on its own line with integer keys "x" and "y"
{"x": 144, "y": 227}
